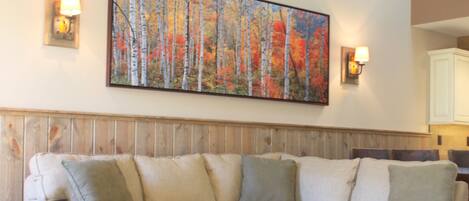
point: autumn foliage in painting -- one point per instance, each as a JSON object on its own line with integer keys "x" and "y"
{"x": 236, "y": 47}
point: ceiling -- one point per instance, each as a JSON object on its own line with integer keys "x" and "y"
{"x": 454, "y": 27}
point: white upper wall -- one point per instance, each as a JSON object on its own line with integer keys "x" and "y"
{"x": 391, "y": 95}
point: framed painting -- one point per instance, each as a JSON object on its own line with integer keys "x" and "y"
{"x": 240, "y": 48}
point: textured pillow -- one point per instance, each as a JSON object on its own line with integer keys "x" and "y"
{"x": 373, "y": 176}
{"x": 322, "y": 179}
{"x": 180, "y": 179}
{"x": 96, "y": 181}
{"x": 50, "y": 175}
{"x": 268, "y": 180}
{"x": 432, "y": 182}
{"x": 224, "y": 171}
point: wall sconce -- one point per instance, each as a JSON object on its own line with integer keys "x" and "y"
{"x": 62, "y": 23}
{"x": 353, "y": 62}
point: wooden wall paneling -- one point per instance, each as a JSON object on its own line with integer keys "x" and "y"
{"x": 125, "y": 137}
{"x": 343, "y": 145}
{"x": 381, "y": 141}
{"x": 331, "y": 145}
{"x": 35, "y": 138}
{"x": 59, "y": 137}
{"x": 263, "y": 141}
{"x": 105, "y": 136}
{"x": 355, "y": 141}
{"x": 82, "y": 136}
{"x": 200, "y": 139}
{"x": 293, "y": 142}
{"x": 164, "y": 139}
{"x": 233, "y": 139}
{"x": 145, "y": 138}
{"x": 369, "y": 141}
{"x": 11, "y": 158}
{"x": 182, "y": 139}
{"x": 249, "y": 140}
{"x": 279, "y": 140}
{"x": 217, "y": 139}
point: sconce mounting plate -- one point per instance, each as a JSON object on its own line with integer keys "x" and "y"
{"x": 346, "y": 60}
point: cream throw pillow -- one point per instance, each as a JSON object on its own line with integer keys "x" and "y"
{"x": 174, "y": 179}
{"x": 321, "y": 179}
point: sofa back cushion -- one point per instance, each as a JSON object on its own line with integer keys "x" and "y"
{"x": 174, "y": 179}
{"x": 225, "y": 174}
{"x": 48, "y": 170}
{"x": 373, "y": 178}
{"x": 321, "y": 179}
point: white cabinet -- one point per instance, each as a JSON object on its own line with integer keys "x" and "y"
{"x": 449, "y": 86}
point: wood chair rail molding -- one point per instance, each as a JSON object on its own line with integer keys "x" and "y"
{"x": 25, "y": 132}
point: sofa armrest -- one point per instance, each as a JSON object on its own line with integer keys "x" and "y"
{"x": 33, "y": 190}
{"x": 461, "y": 192}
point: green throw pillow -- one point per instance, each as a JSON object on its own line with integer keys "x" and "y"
{"x": 268, "y": 180}
{"x": 422, "y": 183}
{"x": 96, "y": 180}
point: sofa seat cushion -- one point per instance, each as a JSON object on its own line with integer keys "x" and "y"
{"x": 49, "y": 174}
{"x": 174, "y": 179}
{"x": 225, "y": 171}
{"x": 373, "y": 176}
{"x": 321, "y": 179}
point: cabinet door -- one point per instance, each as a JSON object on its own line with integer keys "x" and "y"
{"x": 461, "y": 87}
{"x": 441, "y": 89}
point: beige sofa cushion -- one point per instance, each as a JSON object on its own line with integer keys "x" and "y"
{"x": 49, "y": 174}
{"x": 321, "y": 179}
{"x": 225, "y": 174}
{"x": 174, "y": 179}
{"x": 373, "y": 176}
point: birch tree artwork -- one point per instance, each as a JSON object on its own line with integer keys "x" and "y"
{"x": 242, "y": 48}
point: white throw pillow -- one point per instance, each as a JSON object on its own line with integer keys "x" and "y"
{"x": 225, "y": 174}
{"x": 321, "y": 179}
{"x": 373, "y": 178}
{"x": 174, "y": 179}
{"x": 48, "y": 172}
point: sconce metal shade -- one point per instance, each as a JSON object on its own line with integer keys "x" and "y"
{"x": 70, "y": 7}
{"x": 362, "y": 55}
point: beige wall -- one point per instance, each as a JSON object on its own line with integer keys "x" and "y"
{"x": 425, "y": 11}
{"x": 463, "y": 42}
{"x": 391, "y": 95}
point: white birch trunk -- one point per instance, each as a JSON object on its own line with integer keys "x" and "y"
{"x": 264, "y": 62}
{"x": 220, "y": 37}
{"x": 115, "y": 50}
{"x": 308, "y": 68}
{"x": 173, "y": 54}
{"x": 202, "y": 43}
{"x": 133, "y": 43}
{"x": 143, "y": 44}
{"x": 161, "y": 27}
{"x": 286, "y": 89}
{"x": 185, "y": 79}
{"x": 238, "y": 39}
{"x": 248, "y": 46}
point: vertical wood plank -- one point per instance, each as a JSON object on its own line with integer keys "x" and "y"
{"x": 249, "y": 140}
{"x": 263, "y": 141}
{"x": 125, "y": 137}
{"x": 35, "y": 138}
{"x": 146, "y": 138}
{"x": 279, "y": 140}
{"x": 233, "y": 140}
{"x": 11, "y": 157}
{"x": 182, "y": 138}
{"x": 343, "y": 146}
{"x": 104, "y": 137}
{"x": 217, "y": 139}
{"x": 82, "y": 136}
{"x": 331, "y": 145}
{"x": 164, "y": 139}
{"x": 293, "y": 142}
{"x": 200, "y": 139}
{"x": 59, "y": 135}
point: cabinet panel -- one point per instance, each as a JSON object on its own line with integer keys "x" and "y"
{"x": 461, "y": 107}
{"x": 441, "y": 84}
